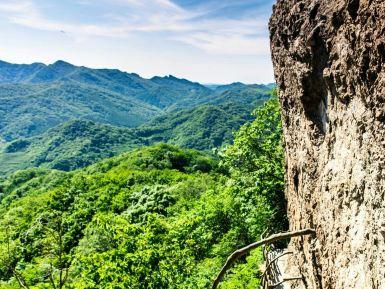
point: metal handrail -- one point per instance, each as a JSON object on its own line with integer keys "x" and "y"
{"x": 267, "y": 269}
{"x": 241, "y": 252}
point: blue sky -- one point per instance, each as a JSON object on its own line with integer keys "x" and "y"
{"x": 210, "y": 41}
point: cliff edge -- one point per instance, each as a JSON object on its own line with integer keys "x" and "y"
{"x": 329, "y": 62}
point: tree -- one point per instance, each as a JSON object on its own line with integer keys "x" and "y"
{"x": 256, "y": 164}
{"x": 10, "y": 260}
{"x": 49, "y": 228}
{"x": 59, "y": 259}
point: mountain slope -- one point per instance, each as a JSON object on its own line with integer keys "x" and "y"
{"x": 79, "y": 143}
{"x": 205, "y": 127}
{"x": 36, "y": 97}
{"x": 156, "y": 217}
{"x": 68, "y": 146}
{"x": 32, "y": 109}
{"x": 122, "y": 218}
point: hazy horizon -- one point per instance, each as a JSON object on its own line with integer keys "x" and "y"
{"x": 133, "y": 72}
{"x": 210, "y": 42}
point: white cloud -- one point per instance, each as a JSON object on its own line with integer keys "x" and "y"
{"x": 219, "y": 35}
{"x": 231, "y": 45}
{"x": 16, "y": 6}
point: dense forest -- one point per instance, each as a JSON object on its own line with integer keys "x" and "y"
{"x": 38, "y": 97}
{"x": 157, "y": 216}
{"x": 66, "y": 117}
{"x": 78, "y": 143}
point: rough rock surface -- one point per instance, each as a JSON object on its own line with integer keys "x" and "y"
{"x": 329, "y": 61}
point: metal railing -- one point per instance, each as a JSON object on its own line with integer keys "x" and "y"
{"x": 263, "y": 242}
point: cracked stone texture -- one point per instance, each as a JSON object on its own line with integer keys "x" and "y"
{"x": 329, "y": 63}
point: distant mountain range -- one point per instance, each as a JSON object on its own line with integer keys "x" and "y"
{"x": 64, "y": 116}
{"x": 78, "y": 143}
{"x": 36, "y": 97}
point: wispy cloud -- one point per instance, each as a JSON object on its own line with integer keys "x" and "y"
{"x": 220, "y": 35}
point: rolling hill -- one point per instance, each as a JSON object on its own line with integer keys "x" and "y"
{"x": 78, "y": 143}
{"x": 155, "y": 217}
{"x": 156, "y": 190}
{"x": 37, "y": 97}
{"x": 66, "y": 117}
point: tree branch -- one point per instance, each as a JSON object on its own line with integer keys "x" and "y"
{"x": 51, "y": 277}
{"x": 241, "y": 252}
{"x": 20, "y": 279}
{"x": 65, "y": 277}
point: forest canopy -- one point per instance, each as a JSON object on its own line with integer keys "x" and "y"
{"x": 156, "y": 217}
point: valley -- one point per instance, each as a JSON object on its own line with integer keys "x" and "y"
{"x": 110, "y": 180}
{"x": 66, "y": 117}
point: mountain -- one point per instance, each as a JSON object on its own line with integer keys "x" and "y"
{"x": 137, "y": 213}
{"x": 248, "y": 95}
{"x": 238, "y": 85}
{"x": 31, "y": 109}
{"x": 155, "y": 217}
{"x": 68, "y": 146}
{"x": 204, "y": 127}
{"x": 78, "y": 143}
{"x": 37, "y": 97}
{"x": 66, "y": 117}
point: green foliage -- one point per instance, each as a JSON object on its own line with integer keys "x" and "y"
{"x": 156, "y": 217}
{"x": 256, "y": 164}
{"x": 37, "y": 97}
{"x": 246, "y": 275}
{"x": 78, "y": 143}
{"x": 133, "y": 223}
{"x": 16, "y": 146}
{"x": 203, "y": 128}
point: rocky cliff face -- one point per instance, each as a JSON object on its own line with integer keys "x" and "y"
{"x": 329, "y": 59}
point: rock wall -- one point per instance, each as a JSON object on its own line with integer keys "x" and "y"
{"x": 329, "y": 61}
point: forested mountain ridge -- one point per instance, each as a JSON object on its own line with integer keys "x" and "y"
{"x": 91, "y": 197}
{"x": 78, "y": 143}
{"x": 36, "y": 97}
{"x": 155, "y": 217}
{"x": 42, "y": 96}
{"x": 68, "y": 146}
{"x": 66, "y": 117}
{"x": 203, "y": 128}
